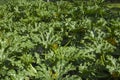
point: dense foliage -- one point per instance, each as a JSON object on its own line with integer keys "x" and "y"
{"x": 61, "y": 40}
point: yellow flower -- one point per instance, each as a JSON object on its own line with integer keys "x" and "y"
{"x": 54, "y": 46}
{"x": 111, "y": 41}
